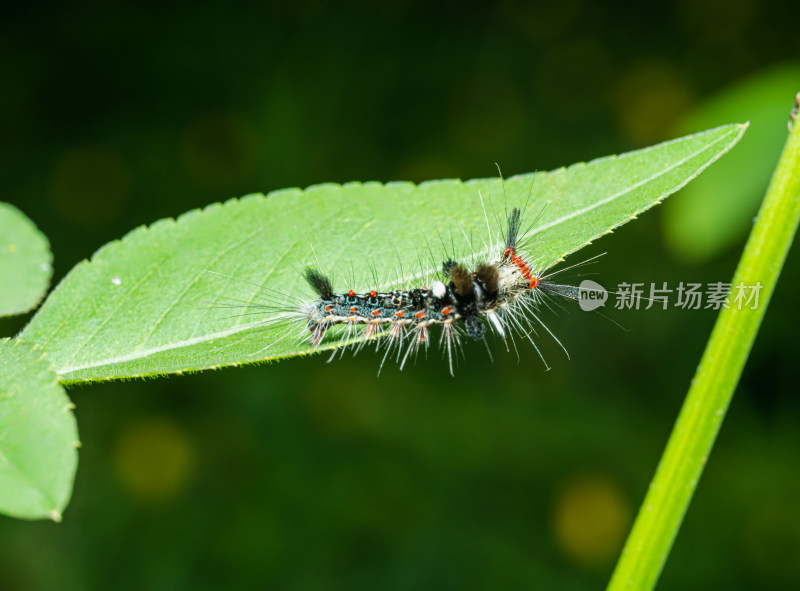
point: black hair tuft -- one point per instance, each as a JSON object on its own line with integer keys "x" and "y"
{"x": 514, "y": 223}
{"x": 319, "y": 282}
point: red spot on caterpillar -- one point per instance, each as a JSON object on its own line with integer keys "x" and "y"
{"x": 376, "y": 312}
{"x": 420, "y": 314}
{"x": 372, "y": 294}
{"x": 328, "y": 308}
{"x": 509, "y": 252}
{"x": 445, "y": 311}
{"x": 351, "y": 293}
{"x": 534, "y": 282}
{"x": 400, "y": 313}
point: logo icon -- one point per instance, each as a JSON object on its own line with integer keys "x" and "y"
{"x": 591, "y": 295}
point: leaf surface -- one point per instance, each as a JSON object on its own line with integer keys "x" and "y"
{"x": 38, "y": 435}
{"x": 140, "y": 306}
{"x": 25, "y": 262}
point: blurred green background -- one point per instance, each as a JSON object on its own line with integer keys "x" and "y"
{"x": 307, "y": 475}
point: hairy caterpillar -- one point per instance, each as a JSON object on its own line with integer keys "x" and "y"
{"x": 503, "y": 293}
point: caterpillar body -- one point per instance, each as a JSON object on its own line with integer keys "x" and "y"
{"x": 504, "y": 293}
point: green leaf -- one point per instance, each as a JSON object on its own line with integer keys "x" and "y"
{"x": 725, "y": 195}
{"x": 38, "y": 435}
{"x": 25, "y": 262}
{"x": 138, "y": 307}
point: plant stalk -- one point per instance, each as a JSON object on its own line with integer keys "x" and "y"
{"x": 715, "y": 381}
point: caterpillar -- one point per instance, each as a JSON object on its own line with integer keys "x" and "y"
{"x": 502, "y": 294}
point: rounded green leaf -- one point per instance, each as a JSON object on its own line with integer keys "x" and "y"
{"x": 724, "y": 195}
{"x": 38, "y": 435}
{"x": 25, "y": 262}
{"x": 140, "y": 306}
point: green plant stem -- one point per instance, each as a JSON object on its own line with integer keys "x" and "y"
{"x": 712, "y": 388}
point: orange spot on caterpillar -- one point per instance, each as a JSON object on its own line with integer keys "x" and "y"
{"x": 400, "y": 313}
{"x": 420, "y": 314}
{"x": 372, "y": 294}
{"x": 328, "y": 308}
{"x": 376, "y": 312}
{"x": 351, "y": 293}
{"x": 534, "y": 282}
{"x": 353, "y": 309}
{"x": 445, "y": 311}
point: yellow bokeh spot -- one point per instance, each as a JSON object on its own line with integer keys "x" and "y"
{"x": 154, "y": 459}
{"x": 12, "y": 248}
{"x": 651, "y": 98}
{"x": 590, "y": 518}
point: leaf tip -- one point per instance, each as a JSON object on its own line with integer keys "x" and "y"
{"x": 55, "y": 515}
